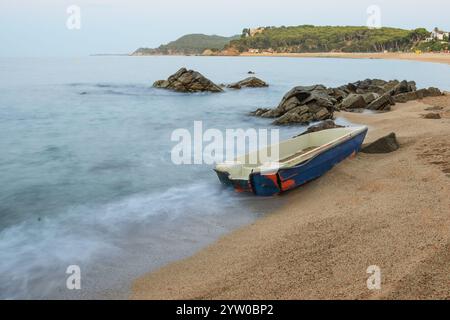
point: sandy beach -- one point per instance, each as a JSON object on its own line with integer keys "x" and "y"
{"x": 389, "y": 210}
{"x": 424, "y": 57}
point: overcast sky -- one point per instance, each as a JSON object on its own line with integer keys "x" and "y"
{"x": 38, "y": 27}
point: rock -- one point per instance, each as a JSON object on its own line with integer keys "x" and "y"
{"x": 379, "y": 87}
{"x": 380, "y": 90}
{"x": 338, "y": 93}
{"x": 353, "y": 101}
{"x": 369, "y": 97}
{"x": 407, "y": 96}
{"x": 272, "y": 113}
{"x": 432, "y": 115}
{"x": 390, "y": 86}
{"x": 434, "y": 108}
{"x": 306, "y": 94}
{"x": 412, "y": 86}
{"x": 382, "y": 103}
{"x": 299, "y": 114}
{"x": 187, "y": 81}
{"x": 415, "y": 95}
{"x": 303, "y": 104}
{"x": 259, "y": 112}
{"x": 430, "y": 92}
{"x": 251, "y": 72}
{"x": 399, "y": 88}
{"x": 321, "y": 114}
{"x": 324, "y": 125}
{"x": 355, "y": 110}
{"x": 163, "y": 84}
{"x": 385, "y": 144}
{"x": 251, "y": 82}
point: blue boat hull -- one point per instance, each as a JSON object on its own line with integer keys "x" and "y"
{"x": 290, "y": 178}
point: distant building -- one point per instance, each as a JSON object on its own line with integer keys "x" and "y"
{"x": 254, "y": 31}
{"x": 437, "y": 34}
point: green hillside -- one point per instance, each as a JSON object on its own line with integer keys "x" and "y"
{"x": 307, "y": 38}
{"x": 190, "y": 44}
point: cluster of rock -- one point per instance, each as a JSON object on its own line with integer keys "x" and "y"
{"x": 380, "y": 95}
{"x": 250, "y": 82}
{"x": 188, "y": 81}
{"x": 192, "y": 81}
{"x": 304, "y": 104}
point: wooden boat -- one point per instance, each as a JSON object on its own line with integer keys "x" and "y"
{"x": 301, "y": 159}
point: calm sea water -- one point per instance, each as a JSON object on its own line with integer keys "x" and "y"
{"x": 85, "y": 171}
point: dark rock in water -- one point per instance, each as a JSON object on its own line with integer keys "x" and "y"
{"x": 303, "y": 105}
{"x": 434, "y": 108}
{"x": 187, "y": 81}
{"x": 251, "y": 82}
{"x": 324, "y": 125}
{"x": 432, "y": 115}
{"x": 353, "y": 101}
{"x": 338, "y": 93}
{"x": 299, "y": 114}
{"x": 385, "y": 144}
{"x": 251, "y": 72}
{"x": 382, "y": 103}
{"x": 260, "y": 111}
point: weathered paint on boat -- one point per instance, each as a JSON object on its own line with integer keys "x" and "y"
{"x": 292, "y": 177}
{"x": 238, "y": 185}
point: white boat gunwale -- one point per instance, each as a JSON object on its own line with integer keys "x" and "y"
{"x": 300, "y": 159}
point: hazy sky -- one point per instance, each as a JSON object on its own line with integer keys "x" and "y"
{"x": 38, "y": 27}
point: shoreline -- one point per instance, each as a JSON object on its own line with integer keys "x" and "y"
{"x": 423, "y": 57}
{"x": 443, "y": 58}
{"x": 389, "y": 210}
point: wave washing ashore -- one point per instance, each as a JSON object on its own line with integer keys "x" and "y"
{"x": 389, "y": 210}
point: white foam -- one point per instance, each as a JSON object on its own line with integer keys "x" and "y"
{"x": 34, "y": 254}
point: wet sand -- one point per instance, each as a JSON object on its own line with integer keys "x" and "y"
{"x": 424, "y": 57}
{"x": 390, "y": 210}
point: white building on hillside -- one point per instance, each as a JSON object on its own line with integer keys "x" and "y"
{"x": 255, "y": 31}
{"x": 437, "y": 34}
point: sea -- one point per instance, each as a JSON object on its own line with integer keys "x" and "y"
{"x": 86, "y": 173}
